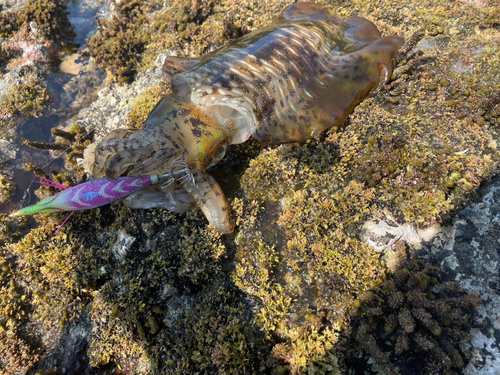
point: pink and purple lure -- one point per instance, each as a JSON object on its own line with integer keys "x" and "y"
{"x": 90, "y": 194}
{"x": 97, "y": 193}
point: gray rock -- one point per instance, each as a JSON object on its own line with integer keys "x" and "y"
{"x": 109, "y": 111}
{"x": 122, "y": 245}
{"x": 469, "y": 252}
{"x": 466, "y": 251}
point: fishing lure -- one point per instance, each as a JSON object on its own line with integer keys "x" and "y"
{"x": 97, "y": 193}
{"x": 287, "y": 82}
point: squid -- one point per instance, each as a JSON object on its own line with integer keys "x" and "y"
{"x": 286, "y": 82}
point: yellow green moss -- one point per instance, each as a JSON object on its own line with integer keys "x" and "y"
{"x": 11, "y": 230}
{"x": 119, "y": 43}
{"x": 202, "y": 252}
{"x": 6, "y": 188}
{"x": 109, "y": 343}
{"x": 155, "y": 302}
{"x": 305, "y": 287}
{"x": 18, "y": 353}
{"x": 28, "y": 98}
{"x": 143, "y": 104}
{"x": 39, "y": 290}
{"x": 49, "y": 16}
{"x": 139, "y": 31}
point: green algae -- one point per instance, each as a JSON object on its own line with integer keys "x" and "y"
{"x": 40, "y": 296}
{"x": 305, "y": 345}
{"x": 118, "y": 45}
{"x": 144, "y": 103}
{"x": 50, "y": 17}
{"x": 7, "y": 53}
{"x": 28, "y": 98}
{"x": 140, "y": 30}
{"x": 171, "y": 300}
{"x": 41, "y": 23}
{"x": 8, "y": 23}
{"x": 284, "y": 294}
{"x": 6, "y": 188}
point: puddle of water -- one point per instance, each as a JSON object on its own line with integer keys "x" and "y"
{"x": 81, "y": 16}
{"x": 71, "y": 88}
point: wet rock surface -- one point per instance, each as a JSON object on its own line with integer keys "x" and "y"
{"x": 109, "y": 111}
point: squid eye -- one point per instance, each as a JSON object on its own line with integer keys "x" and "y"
{"x": 218, "y": 153}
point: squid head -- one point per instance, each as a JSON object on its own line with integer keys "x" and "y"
{"x": 177, "y": 138}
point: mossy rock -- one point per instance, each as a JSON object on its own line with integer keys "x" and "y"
{"x": 293, "y": 290}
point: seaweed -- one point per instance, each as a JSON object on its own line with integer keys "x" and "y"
{"x": 413, "y": 315}
{"x": 50, "y": 18}
{"x": 118, "y": 45}
{"x": 28, "y": 98}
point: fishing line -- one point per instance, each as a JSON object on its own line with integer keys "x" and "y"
{"x": 27, "y": 191}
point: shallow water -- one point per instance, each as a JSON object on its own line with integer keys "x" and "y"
{"x": 72, "y": 87}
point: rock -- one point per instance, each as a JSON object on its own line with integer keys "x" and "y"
{"x": 468, "y": 251}
{"x": 122, "y": 244}
{"x": 168, "y": 292}
{"x": 109, "y": 111}
{"x": 73, "y": 347}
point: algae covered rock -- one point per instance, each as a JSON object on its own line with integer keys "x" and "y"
{"x": 294, "y": 290}
{"x": 6, "y": 188}
{"x": 31, "y": 33}
{"x": 410, "y": 316}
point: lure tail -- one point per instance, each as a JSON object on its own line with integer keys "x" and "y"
{"x": 45, "y": 206}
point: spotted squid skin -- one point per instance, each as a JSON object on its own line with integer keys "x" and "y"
{"x": 287, "y": 82}
{"x": 296, "y": 78}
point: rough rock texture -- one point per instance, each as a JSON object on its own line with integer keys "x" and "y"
{"x": 110, "y": 110}
{"x": 468, "y": 251}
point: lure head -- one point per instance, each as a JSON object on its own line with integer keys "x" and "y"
{"x": 178, "y": 141}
